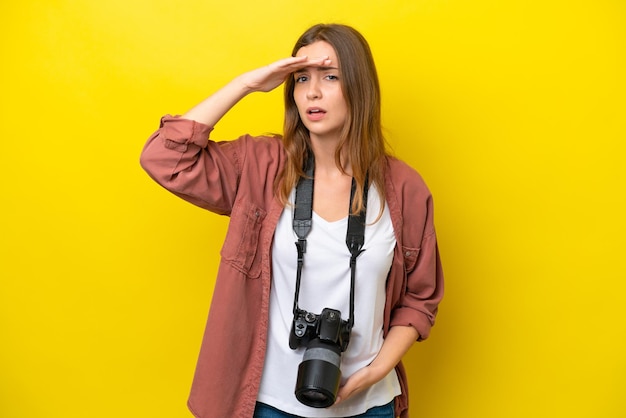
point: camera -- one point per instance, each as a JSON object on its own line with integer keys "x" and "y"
{"x": 325, "y": 337}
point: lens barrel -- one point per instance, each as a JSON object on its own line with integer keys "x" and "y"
{"x": 319, "y": 374}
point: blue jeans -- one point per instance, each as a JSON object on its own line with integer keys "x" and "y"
{"x": 265, "y": 411}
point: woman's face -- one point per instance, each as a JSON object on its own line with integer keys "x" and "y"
{"x": 318, "y": 94}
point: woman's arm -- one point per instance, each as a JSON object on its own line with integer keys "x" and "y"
{"x": 263, "y": 79}
{"x": 414, "y": 314}
{"x": 179, "y": 155}
{"x": 396, "y": 344}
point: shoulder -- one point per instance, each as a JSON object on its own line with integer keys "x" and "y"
{"x": 268, "y": 140}
{"x": 405, "y": 179}
{"x": 263, "y": 145}
{"x": 254, "y": 150}
{"x": 410, "y": 201}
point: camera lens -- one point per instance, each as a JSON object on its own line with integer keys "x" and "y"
{"x": 319, "y": 374}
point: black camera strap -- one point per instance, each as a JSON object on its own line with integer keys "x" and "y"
{"x": 302, "y": 223}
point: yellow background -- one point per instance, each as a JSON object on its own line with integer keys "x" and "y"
{"x": 513, "y": 111}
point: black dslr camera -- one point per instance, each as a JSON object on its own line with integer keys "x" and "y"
{"x": 325, "y": 337}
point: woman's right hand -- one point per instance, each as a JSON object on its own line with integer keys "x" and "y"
{"x": 267, "y": 78}
{"x": 263, "y": 79}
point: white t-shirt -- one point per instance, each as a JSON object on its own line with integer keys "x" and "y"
{"x": 325, "y": 283}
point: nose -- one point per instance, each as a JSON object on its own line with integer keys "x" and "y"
{"x": 313, "y": 91}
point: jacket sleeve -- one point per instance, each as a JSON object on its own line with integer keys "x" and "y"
{"x": 423, "y": 285}
{"x": 181, "y": 158}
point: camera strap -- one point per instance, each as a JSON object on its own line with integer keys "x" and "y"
{"x": 302, "y": 223}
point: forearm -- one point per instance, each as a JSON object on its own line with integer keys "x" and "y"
{"x": 263, "y": 79}
{"x": 213, "y": 108}
{"x": 396, "y": 344}
{"x": 398, "y": 341}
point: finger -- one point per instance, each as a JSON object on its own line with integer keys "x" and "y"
{"x": 318, "y": 61}
{"x": 345, "y": 392}
{"x": 303, "y": 62}
{"x": 291, "y": 61}
{"x": 342, "y": 395}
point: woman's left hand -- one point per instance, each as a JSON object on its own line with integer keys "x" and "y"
{"x": 396, "y": 344}
{"x": 358, "y": 382}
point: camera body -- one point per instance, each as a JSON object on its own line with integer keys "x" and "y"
{"x": 325, "y": 337}
{"x": 327, "y": 327}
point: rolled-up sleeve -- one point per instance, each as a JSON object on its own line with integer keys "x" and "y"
{"x": 180, "y": 157}
{"x": 418, "y": 283}
{"x": 419, "y": 303}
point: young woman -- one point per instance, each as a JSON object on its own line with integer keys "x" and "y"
{"x": 386, "y": 293}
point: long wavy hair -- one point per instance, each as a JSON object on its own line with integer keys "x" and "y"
{"x": 362, "y": 140}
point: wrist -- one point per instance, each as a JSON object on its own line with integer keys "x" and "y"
{"x": 378, "y": 371}
{"x": 242, "y": 85}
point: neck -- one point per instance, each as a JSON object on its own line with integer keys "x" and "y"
{"x": 325, "y": 162}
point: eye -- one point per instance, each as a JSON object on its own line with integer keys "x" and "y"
{"x": 300, "y": 78}
{"x": 331, "y": 77}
